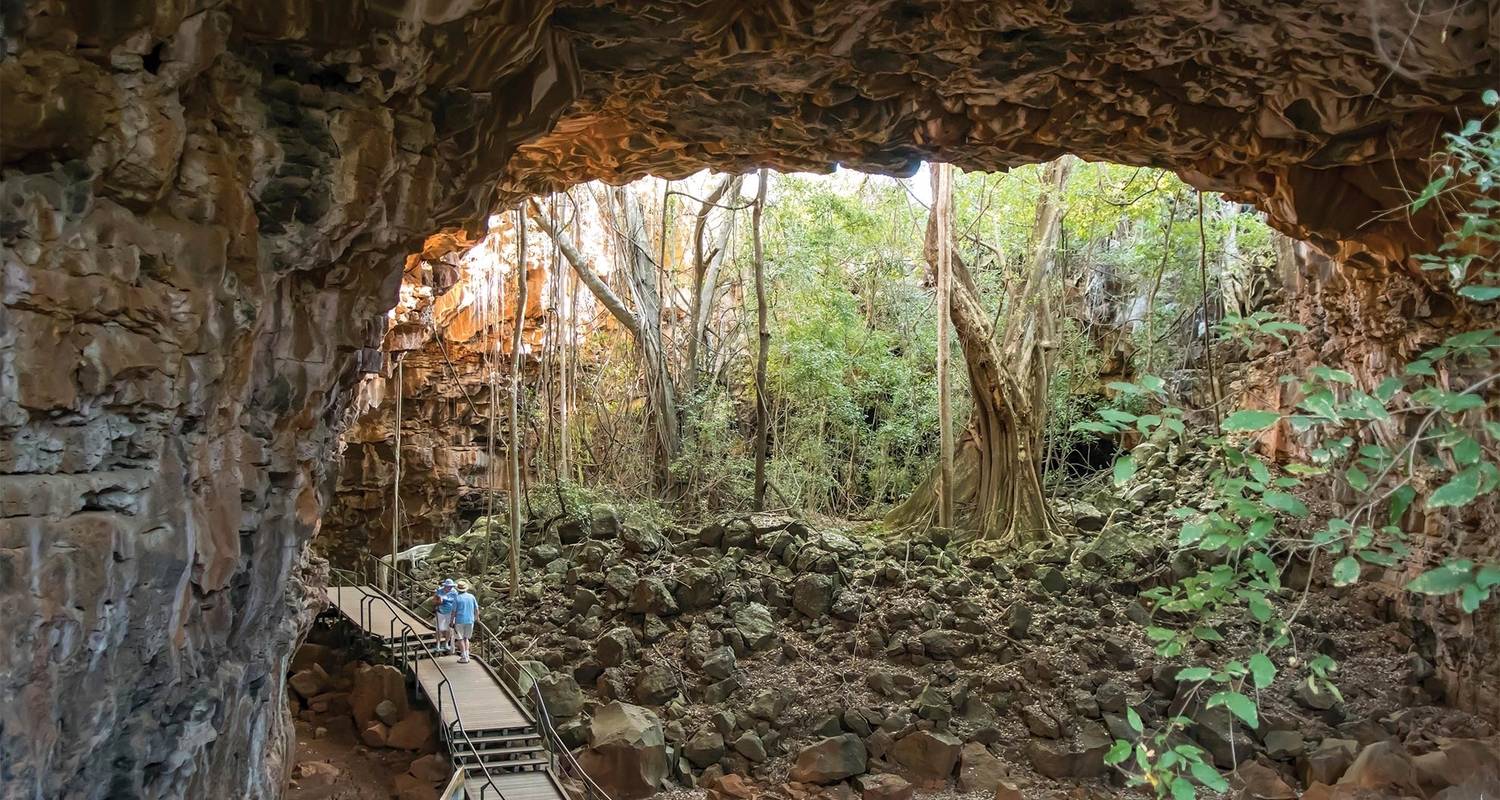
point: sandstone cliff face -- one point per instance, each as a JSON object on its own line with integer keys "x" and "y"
{"x": 206, "y": 206}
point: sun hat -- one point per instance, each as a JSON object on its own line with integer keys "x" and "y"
{"x": 447, "y": 582}
{"x": 463, "y": 586}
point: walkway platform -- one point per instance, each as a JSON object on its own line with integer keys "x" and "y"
{"x": 516, "y": 786}
{"x": 485, "y": 705}
{"x": 381, "y": 617}
{"x": 490, "y": 737}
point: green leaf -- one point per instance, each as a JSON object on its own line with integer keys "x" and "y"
{"x": 1258, "y": 470}
{"x": 1470, "y": 597}
{"x": 1209, "y": 777}
{"x": 1446, "y": 579}
{"x": 1490, "y": 97}
{"x": 1285, "y": 503}
{"x": 1400, "y": 502}
{"x": 1133, "y": 720}
{"x": 1261, "y": 610}
{"x": 1345, "y": 571}
{"x": 1466, "y": 452}
{"x": 1183, "y": 790}
{"x": 1118, "y": 753}
{"x": 1239, "y": 705}
{"x": 1488, "y": 576}
{"x": 1194, "y": 674}
{"x": 1457, "y": 492}
{"x": 1191, "y": 532}
{"x": 1124, "y": 469}
{"x": 1419, "y": 367}
{"x": 1357, "y": 479}
{"x": 1250, "y": 420}
{"x": 1262, "y": 670}
{"x": 1482, "y": 294}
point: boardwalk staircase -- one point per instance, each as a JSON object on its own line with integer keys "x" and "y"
{"x": 494, "y": 725}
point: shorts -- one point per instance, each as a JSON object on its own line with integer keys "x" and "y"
{"x": 463, "y": 630}
{"x": 444, "y": 622}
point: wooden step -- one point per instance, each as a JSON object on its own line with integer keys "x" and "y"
{"x": 503, "y": 755}
{"x": 499, "y": 740}
{"x": 497, "y": 767}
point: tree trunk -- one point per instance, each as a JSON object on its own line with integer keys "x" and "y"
{"x": 763, "y": 328}
{"x": 515, "y": 405}
{"x": 644, "y": 323}
{"x": 706, "y": 263}
{"x": 941, "y": 224}
{"x": 997, "y": 479}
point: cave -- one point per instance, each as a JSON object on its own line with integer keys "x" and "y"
{"x": 206, "y": 210}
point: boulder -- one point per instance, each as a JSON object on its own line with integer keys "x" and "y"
{"x": 650, "y": 596}
{"x": 832, "y": 759}
{"x": 1006, "y": 791}
{"x": 310, "y": 682}
{"x": 1384, "y": 766}
{"x": 655, "y": 685}
{"x": 1018, "y": 621}
{"x": 812, "y": 594}
{"x": 941, "y": 645}
{"x": 750, "y": 746}
{"x": 697, "y": 588}
{"x": 413, "y": 732}
{"x": 1082, "y": 758}
{"x": 387, "y": 712}
{"x": 1222, "y": 735}
{"x": 755, "y": 625}
{"x": 883, "y": 787}
{"x": 604, "y": 522}
{"x": 704, "y": 749}
{"x": 627, "y": 753}
{"x": 767, "y": 705}
{"x": 730, "y": 787}
{"x": 929, "y": 755}
{"x": 979, "y": 770}
{"x": 432, "y": 768}
{"x": 1042, "y": 722}
{"x": 1259, "y": 782}
{"x": 374, "y": 733}
{"x": 373, "y": 685}
{"x": 719, "y": 663}
{"x": 561, "y": 695}
{"x": 616, "y": 647}
{"x": 310, "y": 654}
{"x": 1284, "y": 745}
{"x": 1327, "y": 762}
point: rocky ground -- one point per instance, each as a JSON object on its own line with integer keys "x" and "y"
{"x": 758, "y": 653}
{"x": 359, "y": 733}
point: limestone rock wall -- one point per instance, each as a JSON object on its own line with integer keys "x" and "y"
{"x": 206, "y": 206}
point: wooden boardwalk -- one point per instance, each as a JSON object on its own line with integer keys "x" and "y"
{"x": 484, "y": 704}
{"x": 473, "y": 704}
{"x": 381, "y": 617}
{"x": 516, "y": 786}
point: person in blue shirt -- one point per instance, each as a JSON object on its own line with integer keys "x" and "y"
{"x": 446, "y": 595}
{"x": 465, "y": 610}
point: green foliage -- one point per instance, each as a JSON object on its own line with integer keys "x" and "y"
{"x": 1465, "y": 187}
{"x": 1254, "y": 526}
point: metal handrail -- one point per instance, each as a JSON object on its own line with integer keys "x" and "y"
{"x": 556, "y": 748}
{"x": 408, "y": 637}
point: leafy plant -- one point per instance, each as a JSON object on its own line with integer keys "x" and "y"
{"x": 1436, "y": 444}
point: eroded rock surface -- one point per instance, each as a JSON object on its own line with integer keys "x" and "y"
{"x": 206, "y": 209}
